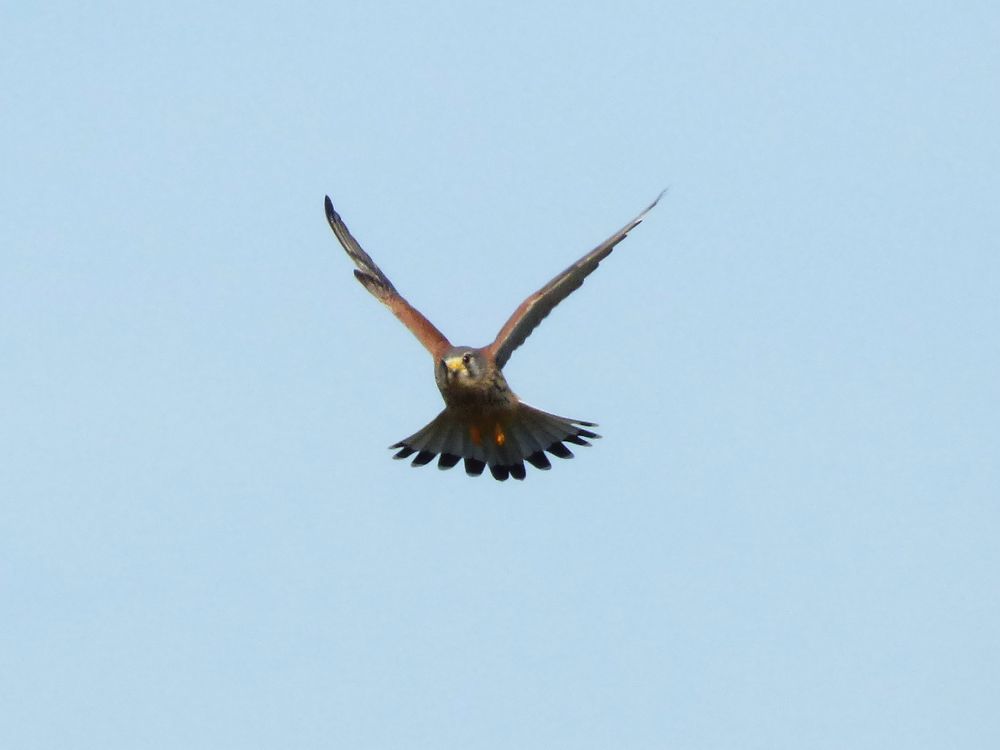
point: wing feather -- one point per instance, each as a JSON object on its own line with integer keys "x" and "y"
{"x": 536, "y": 307}
{"x": 376, "y": 282}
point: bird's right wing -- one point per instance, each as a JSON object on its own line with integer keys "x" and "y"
{"x": 376, "y": 282}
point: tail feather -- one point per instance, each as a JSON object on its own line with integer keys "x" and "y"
{"x": 502, "y": 441}
{"x": 526, "y": 438}
{"x": 547, "y": 431}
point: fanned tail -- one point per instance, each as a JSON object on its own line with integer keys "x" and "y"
{"x": 502, "y": 441}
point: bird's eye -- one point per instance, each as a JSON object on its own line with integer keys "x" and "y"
{"x": 466, "y": 358}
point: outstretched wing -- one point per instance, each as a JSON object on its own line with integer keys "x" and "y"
{"x": 534, "y": 309}
{"x": 376, "y": 282}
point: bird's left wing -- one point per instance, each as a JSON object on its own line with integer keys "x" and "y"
{"x": 376, "y": 282}
{"x": 534, "y": 309}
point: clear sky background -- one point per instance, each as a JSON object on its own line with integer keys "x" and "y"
{"x": 788, "y": 537}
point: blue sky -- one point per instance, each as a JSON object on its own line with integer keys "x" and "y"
{"x": 787, "y": 537}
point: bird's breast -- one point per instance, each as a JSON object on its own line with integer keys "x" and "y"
{"x": 490, "y": 394}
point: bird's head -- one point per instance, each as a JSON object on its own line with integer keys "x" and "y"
{"x": 461, "y": 366}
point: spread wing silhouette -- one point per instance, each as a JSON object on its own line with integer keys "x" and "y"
{"x": 376, "y": 282}
{"x": 534, "y": 309}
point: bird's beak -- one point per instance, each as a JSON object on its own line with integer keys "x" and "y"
{"x": 454, "y": 364}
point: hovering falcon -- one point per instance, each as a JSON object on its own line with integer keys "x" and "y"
{"x": 484, "y": 423}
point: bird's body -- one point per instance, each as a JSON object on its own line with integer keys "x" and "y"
{"x": 483, "y": 423}
{"x": 468, "y": 380}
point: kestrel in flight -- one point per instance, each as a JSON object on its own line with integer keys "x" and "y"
{"x": 484, "y": 423}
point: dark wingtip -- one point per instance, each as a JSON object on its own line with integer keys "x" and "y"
{"x": 331, "y": 215}
{"x": 474, "y": 467}
{"x": 652, "y": 205}
{"x": 405, "y": 450}
{"x": 517, "y": 471}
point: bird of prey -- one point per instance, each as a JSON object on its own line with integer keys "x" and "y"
{"x": 484, "y": 423}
